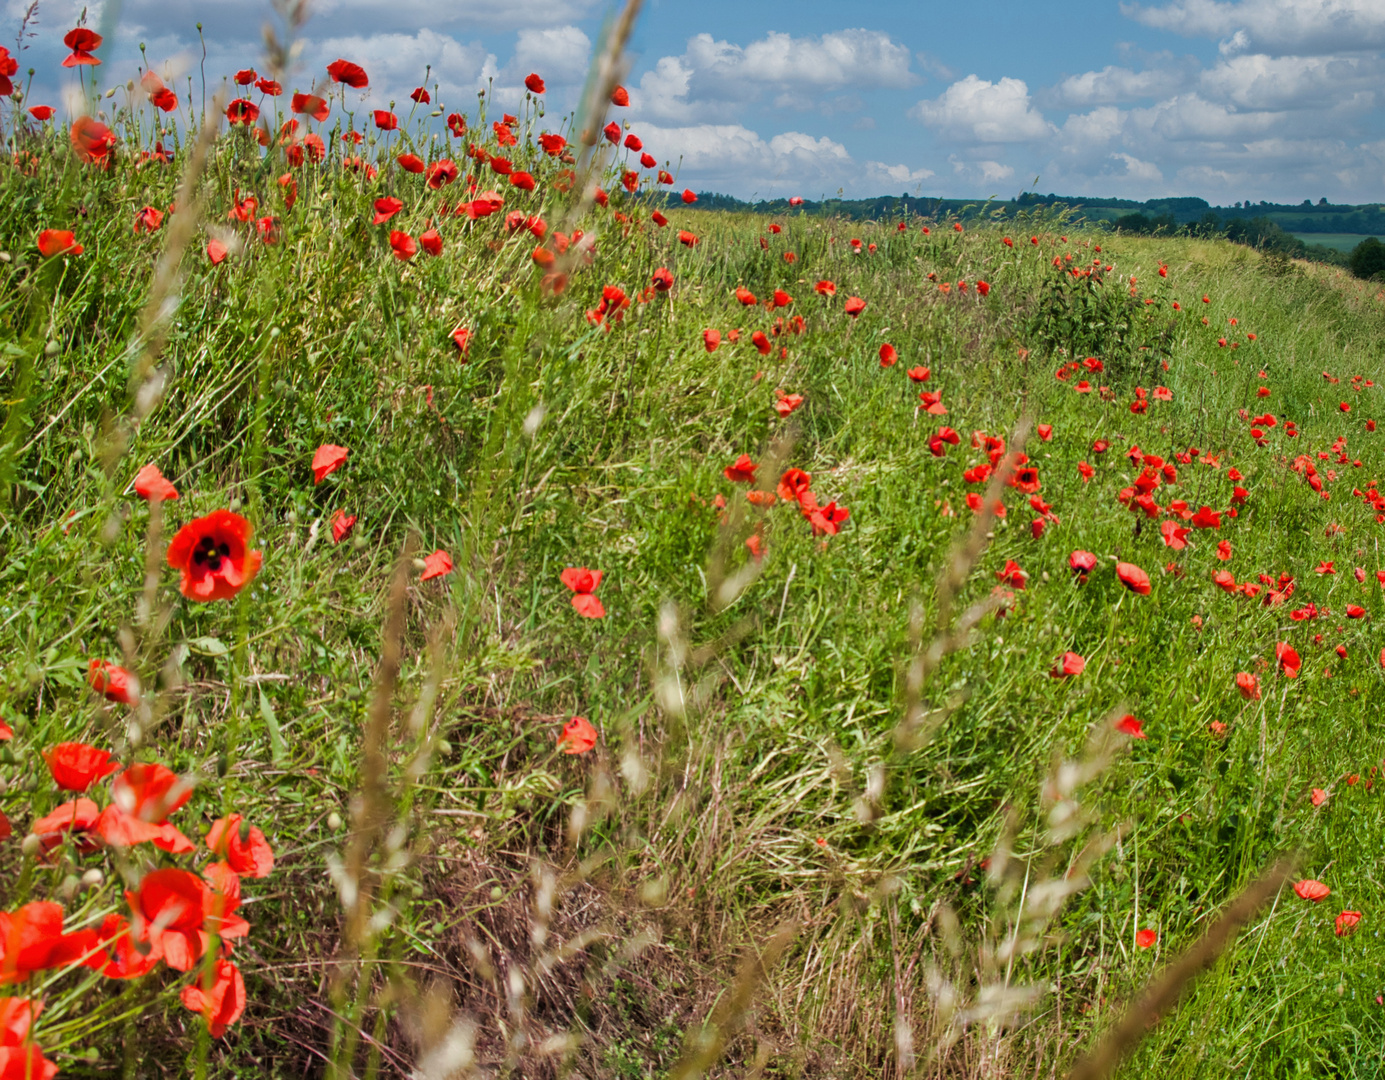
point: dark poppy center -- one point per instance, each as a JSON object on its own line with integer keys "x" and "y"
{"x": 209, "y": 553}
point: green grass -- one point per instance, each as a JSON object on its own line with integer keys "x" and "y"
{"x": 751, "y": 769}
{"x": 1343, "y": 242}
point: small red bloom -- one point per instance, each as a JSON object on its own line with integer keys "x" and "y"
{"x": 341, "y": 525}
{"x": 438, "y": 564}
{"x": 112, "y": 682}
{"x": 327, "y": 460}
{"x": 222, "y": 1004}
{"x": 386, "y": 208}
{"x": 151, "y": 485}
{"x": 889, "y": 356}
{"x": 1068, "y": 665}
{"x": 741, "y": 471}
{"x": 58, "y": 242}
{"x": 534, "y": 84}
{"x": 1132, "y": 727}
{"x": 578, "y": 736}
{"x": 583, "y": 583}
{"x": 854, "y": 306}
{"x": 1133, "y": 578}
{"x": 386, "y": 120}
{"x": 213, "y": 557}
{"x": 1248, "y": 685}
{"x": 243, "y": 846}
{"x": 344, "y": 71}
{"x": 1310, "y": 889}
{"x": 403, "y": 244}
{"x": 82, "y": 42}
{"x": 76, "y": 766}
{"x": 1145, "y": 938}
{"x": 1345, "y": 923}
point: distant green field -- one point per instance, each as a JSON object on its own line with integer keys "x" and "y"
{"x": 1336, "y": 241}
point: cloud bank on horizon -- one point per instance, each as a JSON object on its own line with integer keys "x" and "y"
{"x": 1253, "y": 99}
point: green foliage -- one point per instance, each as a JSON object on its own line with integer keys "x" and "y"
{"x": 749, "y": 769}
{"x": 1367, "y": 259}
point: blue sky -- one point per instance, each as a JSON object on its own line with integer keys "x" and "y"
{"x": 1226, "y": 99}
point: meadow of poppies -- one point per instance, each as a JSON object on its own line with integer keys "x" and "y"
{"x": 462, "y": 603}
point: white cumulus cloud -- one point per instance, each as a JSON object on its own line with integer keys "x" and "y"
{"x": 980, "y": 111}
{"x": 1276, "y": 26}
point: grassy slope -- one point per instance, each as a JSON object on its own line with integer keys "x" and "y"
{"x": 709, "y": 832}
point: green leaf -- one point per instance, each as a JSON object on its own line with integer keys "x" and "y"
{"x": 277, "y": 750}
{"x": 208, "y": 646}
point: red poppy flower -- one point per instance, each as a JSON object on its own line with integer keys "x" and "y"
{"x": 386, "y": 120}
{"x": 341, "y": 525}
{"x": 1082, "y": 562}
{"x": 53, "y": 242}
{"x": 686, "y": 238}
{"x": 386, "y": 208}
{"x": 1132, "y": 727}
{"x": 1133, "y": 578}
{"x": 741, "y": 471}
{"x": 854, "y": 306}
{"x": 431, "y": 241}
{"x": 583, "y": 583}
{"x": 441, "y": 173}
{"x": 82, "y": 42}
{"x": 77, "y": 818}
{"x": 410, "y": 163}
{"x": 534, "y": 84}
{"x": 403, "y": 245}
{"x": 112, "y": 682}
{"x": 213, "y": 558}
{"x": 1287, "y": 659}
{"x": 787, "y": 403}
{"x": 793, "y": 485}
{"x": 632, "y": 142}
{"x": 328, "y": 459}
{"x": 1145, "y": 938}
{"x": 619, "y": 96}
{"x": 689, "y": 197}
{"x": 268, "y": 87}
{"x": 32, "y": 939}
{"x": 42, "y": 113}
{"x": 353, "y": 75}
{"x": 1248, "y": 685}
{"x": 243, "y": 846}
{"x": 663, "y": 279}
{"x": 1310, "y": 889}
{"x": 1068, "y": 665}
{"x": 242, "y": 111}
{"x": 578, "y": 736}
{"x": 438, "y": 564}
{"x": 522, "y": 180}
{"x": 1012, "y": 575}
{"x": 711, "y": 339}
{"x": 92, "y": 141}
{"x": 222, "y": 1004}
{"x": 761, "y": 342}
{"x": 76, "y": 766}
{"x": 825, "y": 520}
{"x": 889, "y": 356}
{"x": 1345, "y": 923}
{"x": 170, "y": 911}
{"x": 745, "y": 296}
{"x": 216, "y": 252}
{"x": 310, "y": 105}
{"x": 1207, "y": 518}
